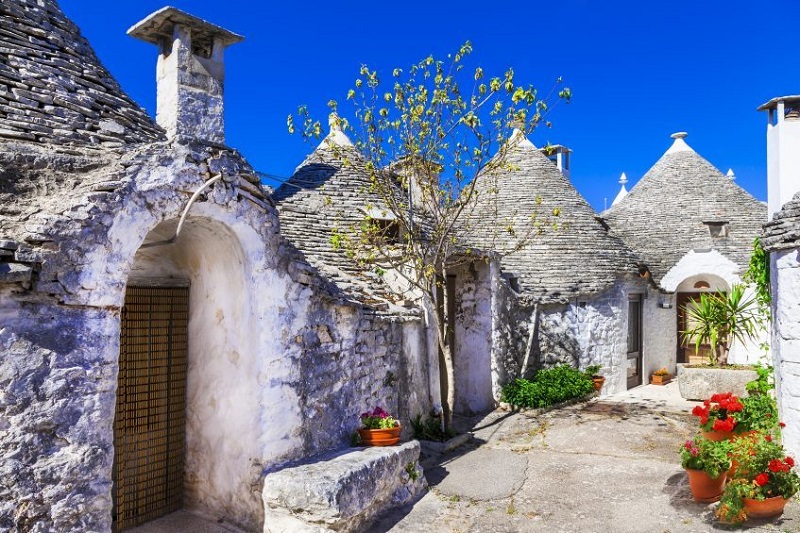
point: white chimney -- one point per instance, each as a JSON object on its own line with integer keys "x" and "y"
{"x": 783, "y": 150}
{"x": 560, "y": 155}
{"x": 190, "y": 72}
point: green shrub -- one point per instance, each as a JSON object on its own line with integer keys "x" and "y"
{"x": 430, "y": 429}
{"x": 548, "y": 387}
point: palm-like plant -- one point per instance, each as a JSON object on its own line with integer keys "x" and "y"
{"x": 720, "y": 320}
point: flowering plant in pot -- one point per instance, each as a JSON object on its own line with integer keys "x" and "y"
{"x": 660, "y": 376}
{"x": 718, "y": 415}
{"x": 706, "y": 463}
{"x": 379, "y": 428}
{"x": 593, "y": 373}
{"x": 763, "y": 481}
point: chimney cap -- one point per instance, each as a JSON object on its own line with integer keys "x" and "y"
{"x": 158, "y": 25}
{"x": 775, "y": 101}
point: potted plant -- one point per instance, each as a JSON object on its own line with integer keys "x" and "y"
{"x": 593, "y": 372}
{"x": 718, "y": 416}
{"x": 719, "y": 321}
{"x": 763, "y": 482}
{"x": 706, "y": 463}
{"x": 660, "y": 377}
{"x": 379, "y": 428}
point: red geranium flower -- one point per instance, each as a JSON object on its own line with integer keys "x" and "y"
{"x": 789, "y": 461}
{"x": 776, "y": 465}
{"x": 724, "y": 425}
{"x": 762, "y": 479}
{"x": 768, "y": 438}
{"x": 781, "y": 424}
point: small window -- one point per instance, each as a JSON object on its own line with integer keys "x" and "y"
{"x": 717, "y": 230}
{"x": 387, "y": 230}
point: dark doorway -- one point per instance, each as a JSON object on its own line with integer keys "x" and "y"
{"x": 150, "y": 418}
{"x": 634, "y": 373}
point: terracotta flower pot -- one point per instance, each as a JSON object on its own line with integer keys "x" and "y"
{"x": 659, "y": 379}
{"x": 764, "y": 508}
{"x": 380, "y": 437}
{"x": 598, "y": 381}
{"x": 717, "y": 435}
{"x": 705, "y": 489}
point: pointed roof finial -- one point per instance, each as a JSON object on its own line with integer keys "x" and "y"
{"x": 336, "y": 136}
{"x": 623, "y": 192}
{"x": 679, "y": 145}
{"x": 334, "y": 122}
{"x": 518, "y": 137}
{"x": 730, "y": 174}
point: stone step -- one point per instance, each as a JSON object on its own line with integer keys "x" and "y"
{"x": 342, "y": 490}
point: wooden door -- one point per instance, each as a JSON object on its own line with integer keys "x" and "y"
{"x": 149, "y": 423}
{"x": 634, "y": 372}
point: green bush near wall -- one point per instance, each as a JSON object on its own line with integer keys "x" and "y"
{"x": 549, "y": 386}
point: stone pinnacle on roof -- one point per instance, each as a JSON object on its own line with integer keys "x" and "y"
{"x": 623, "y": 192}
{"x": 517, "y": 138}
{"x": 679, "y": 145}
{"x": 730, "y": 174}
{"x": 335, "y": 136}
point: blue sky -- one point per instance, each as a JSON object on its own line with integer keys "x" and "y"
{"x": 639, "y": 71}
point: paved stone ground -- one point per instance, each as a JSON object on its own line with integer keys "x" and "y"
{"x": 606, "y": 466}
{"x": 609, "y": 465}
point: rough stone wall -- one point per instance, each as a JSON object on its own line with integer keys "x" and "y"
{"x": 585, "y": 331}
{"x": 309, "y": 360}
{"x": 785, "y": 273}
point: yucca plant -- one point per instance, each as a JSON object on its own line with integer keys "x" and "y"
{"x": 720, "y": 319}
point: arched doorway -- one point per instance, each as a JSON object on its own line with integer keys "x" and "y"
{"x": 687, "y": 294}
{"x": 186, "y": 409}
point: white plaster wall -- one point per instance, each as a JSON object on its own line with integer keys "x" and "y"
{"x": 695, "y": 263}
{"x": 785, "y": 272}
{"x": 659, "y": 332}
{"x": 473, "y": 334}
{"x": 783, "y": 163}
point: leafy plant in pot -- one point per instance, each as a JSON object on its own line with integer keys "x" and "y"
{"x": 763, "y": 482}
{"x": 593, "y": 372}
{"x": 380, "y": 428}
{"x": 720, "y": 320}
{"x": 706, "y": 463}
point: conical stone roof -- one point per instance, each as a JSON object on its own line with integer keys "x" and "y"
{"x": 53, "y": 88}
{"x": 330, "y": 191}
{"x": 573, "y": 256}
{"x": 668, "y": 212}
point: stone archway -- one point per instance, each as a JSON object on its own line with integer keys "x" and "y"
{"x": 221, "y": 365}
{"x": 687, "y": 293}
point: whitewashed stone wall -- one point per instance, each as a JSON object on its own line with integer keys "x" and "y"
{"x": 586, "y": 331}
{"x": 473, "y": 334}
{"x": 785, "y": 273}
{"x": 659, "y": 332}
{"x": 280, "y": 365}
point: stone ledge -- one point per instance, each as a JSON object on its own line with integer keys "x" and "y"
{"x": 342, "y": 490}
{"x": 701, "y": 383}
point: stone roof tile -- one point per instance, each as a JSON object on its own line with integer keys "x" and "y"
{"x": 579, "y": 257}
{"x": 53, "y": 88}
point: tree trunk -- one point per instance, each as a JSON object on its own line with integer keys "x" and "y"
{"x": 532, "y": 334}
{"x": 446, "y": 368}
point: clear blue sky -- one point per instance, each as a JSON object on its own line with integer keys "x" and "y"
{"x": 639, "y": 71}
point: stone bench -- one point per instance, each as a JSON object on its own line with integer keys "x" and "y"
{"x": 343, "y": 490}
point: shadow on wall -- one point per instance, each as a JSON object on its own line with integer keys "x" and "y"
{"x": 309, "y": 177}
